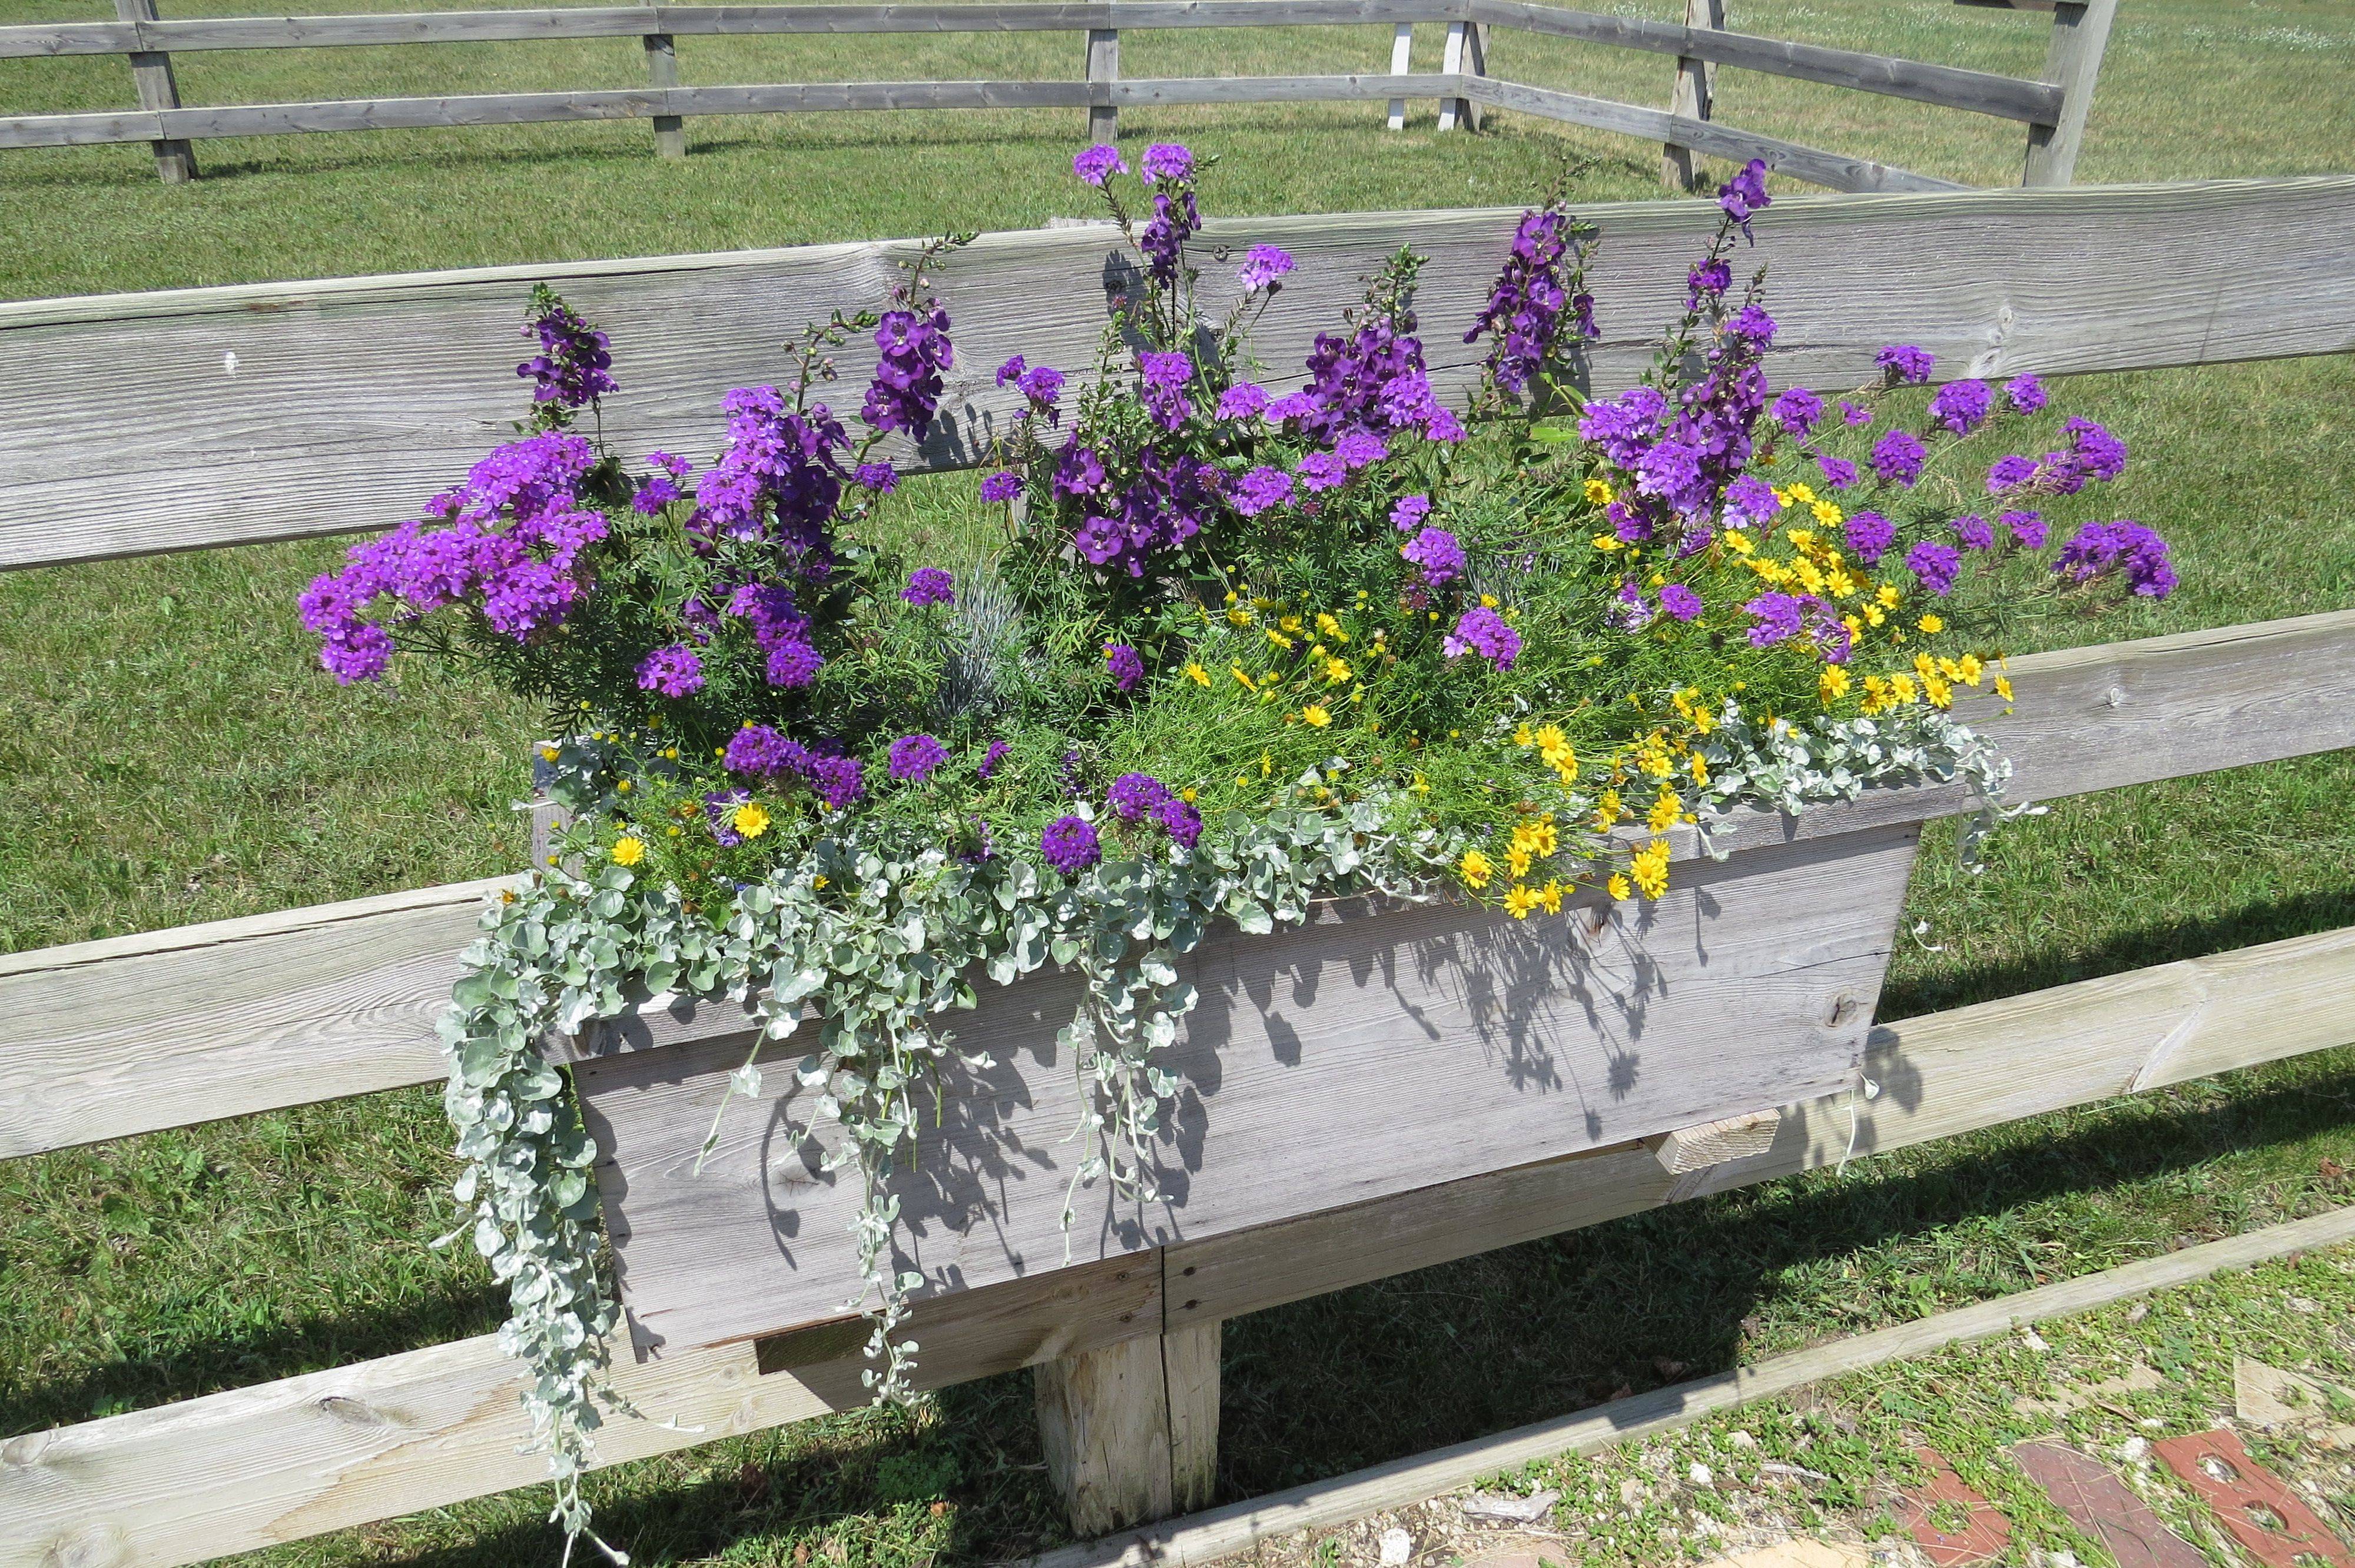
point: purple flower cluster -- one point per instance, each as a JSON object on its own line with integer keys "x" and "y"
{"x": 1435, "y": 552}
{"x": 573, "y": 366}
{"x": 2094, "y": 454}
{"x": 992, "y": 760}
{"x": 916, "y": 757}
{"x": 1745, "y": 196}
{"x": 1162, "y": 508}
{"x": 1165, "y": 377}
{"x": 928, "y": 586}
{"x": 1069, "y": 845}
{"x": 1409, "y": 512}
{"x": 778, "y": 465}
{"x": 1322, "y": 471}
{"x": 1126, "y": 666}
{"x": 674, "y": 671}
{"x": 2026, "y": 394}
{"x": 1962, "y": 407}
{"x": 1039, "y": 385}
{"x": 1243, "y": 401}
{"x": 1973, "y": 532}
{"x": 1684, "y": 455}
{"x": 1262, "y": 266}
{"x": 1372, "y": 380}
{"x": 1003, "y": 486}
{"x": 1483, "y": 631}
{"x": 907, "y": 387}
{"x": 2125, "y": 547}
{"x": 1098, "y": 164}
{"x": 1796, "y": 410}
{"x": 1934, "y": 565}
{"x": 1132, "y": 795}
{"x": 1526, "y": 306}
{"x": 757, "y": 751}
{"x": 1779, "y": 616}
{"x": 1680, "y": 601}
{"x": 1175, "y": 216}
{"x": 515, "y": 530}
{"x": 1259, "y": 489}
{"x": 782, "y": 631}
{"x": 1869, "y": 535}
{"x": 880, "y": 477}
{"x": 1897, "y": 458}
{"x": 2028, "y": 527}
{"x": 661, "y": 487}
{"x": 1904, "y": 365}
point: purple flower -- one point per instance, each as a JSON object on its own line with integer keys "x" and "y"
{"x": 1166, "y": 379}
{"x": 916, "y": 757}
{"x": 1263, "y": 265}
{"x": 1778, "y": 616}
{"x": 1098, "y": 164}
{"x": 1797, "y": 410}
{"x": 1706, "y": 281}
{"x": 1897, "y": 458}
{"x": 1357, "y": 448}
{"x": 1680, "y": 601}
{"x": 1042, "y": 386}
{"x": 1259, "y": 489}
{"x": 1437, "y": 555}
{"x": 677, "y": 467}
{"x": 1961, "y": 405}
{"x": 1069, "y": 845}
{"x": 1483, "y": 631}
{"x": 1134, "y": 794}
{"x": 1168, "y": 161}
{"x": 1973, "y": 532}
{"x": 993, "y": 759}
{"x": 1854, "y": 414}
{"x": 1869, "y": 535}
{"x": 2011, "y": 472}
{"x": 1750, "y": 498}
{"x": 2124, "y": 546}
{"x": 1409, "y": 512}
{"x": 1838, "y": 472}
{"x": 2027, "y": 394}
{"x": 1905, "y": 364}
{"x": 780, "y": 478}
{"x": 880, "y": 477}
{"x": 1003, "y": 486}
{"x": 2028, "y": 527}
{"x": 1011, "y": 371}
{"x": 1531, "y": 303}
{"x": 930, "y": 584}
{"x": 1936, "y": 566}
{"x": 1321, "y": 471}
{"x": 1163, "y": 241}
{"x": 658, "y": 491}
{"x": 906, "y": 389}
{"x": 1127, "y": 669}
{"x": 571, "y": 370}
{"x": 840, "y": 780}
{"x": 2098, "y": 453}
{"x": 759, "y": 752}
{"x": 1241, "y": 400}
{"x": 1293, "y": 406}
{"x": 1745, "y": 196}
{"x": 719, "y": 809}
{"x": 674, "y": 671}
{"x": 794, "y": 662}
{"x": 1753, "y": 325}
{"x": 1177, "y": 816}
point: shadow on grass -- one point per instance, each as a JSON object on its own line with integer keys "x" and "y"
{"x": 2251, "y": 925}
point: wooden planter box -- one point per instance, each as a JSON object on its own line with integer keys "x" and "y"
{"x": 1364, "y": 1055}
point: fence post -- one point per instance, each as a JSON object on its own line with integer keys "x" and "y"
{"x": 1696, "y": 84}
{"x": 1451, "y": 60}
{"x": 1103, "y": 66}
{"x": 661, "y": 70}
{"x": 150, "y": 72}
{"x": 1401, "y": 56}
{"x": 1131, "y": 1431}
{"x": 1476, "y": 63}
{"x": 2081, "y": 30}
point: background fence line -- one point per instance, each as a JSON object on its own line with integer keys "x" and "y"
{"x": 2053, "y": 108}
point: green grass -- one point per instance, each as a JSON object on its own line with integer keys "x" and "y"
{"x": 175, "y": 756}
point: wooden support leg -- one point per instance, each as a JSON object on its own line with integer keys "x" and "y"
{"x": 1401, "y": 54}
{"x": 1476, "y": 63}
{"x": 2081, "y": 30}
{"x": 1451, "y": 60}
{"x": 1695, "y": 85}
{"x": 151, "y": 75}
{"x": 662, "y": 71}
{"x": 1132, "y": 1430}
{"x": 1103, "y": 66}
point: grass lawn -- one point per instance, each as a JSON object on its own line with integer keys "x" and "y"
{"x": 175, "y": 755}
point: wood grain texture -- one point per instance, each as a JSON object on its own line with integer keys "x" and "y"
{"x": 329, "y": 378}
{"x": 1691, "y": 94}
{"x": 1190, "y": 1364}
{"x": 662, "y": 75}
{"x": 1103, "y": 1422}
{"x": 1831, "y": 170}
{"x": 280, "y": 1461}
{"x": 151, "y": 77}
{"x": 1708, "y": 1143}
{"x": 90, "y": 1052}
{"x": 1228, "y": 1532}
{"x": 312, "y": 1454}
{"x": 1431, "y": 1041}
{"x": 1102, "y": 63}
{"x": 1937, "y": 1076}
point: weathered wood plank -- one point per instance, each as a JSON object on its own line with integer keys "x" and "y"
{"x": 662, "y": 75}
{"x": 1949, "y": 87}
{"x": 268, "y": 410}
{"x": 1103, "y": 62}
{"x": 200, "y": 1023}
{"x": 432, "y": 1427}
{"x": 1434, "y": 1042}
{"x": 254, "y": 1466}
{"x": 1103, "y": 1422}
{"x": 1831, "y": 170}
{"x": 628, "y": 21}
{"x": 2072, "y": 62}
{"x": 1191, "y": 1361}
{"x": 1939, "y": 1076}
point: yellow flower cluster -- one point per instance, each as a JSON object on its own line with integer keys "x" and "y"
{"x": 1311, "y": 645}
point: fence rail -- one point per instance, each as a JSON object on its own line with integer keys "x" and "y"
{"x": 2053, "y": 107}
{"x": 109, "y": 1038}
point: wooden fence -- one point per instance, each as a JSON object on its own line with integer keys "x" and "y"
{"x": 170, "y": 1028}
{"x": 2053, "y": 107}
